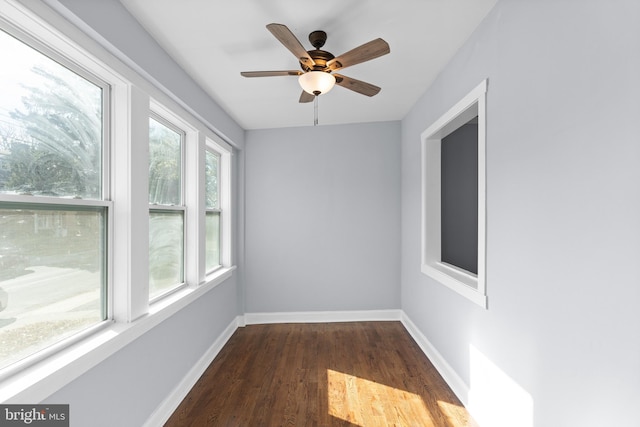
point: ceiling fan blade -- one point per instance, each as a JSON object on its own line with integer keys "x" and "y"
{"x": 271, "y": 73}
{"x": 365, "y": 52}
{"x": 356, "y": 85}
{"x": 286, "y": 37}
{"x": 306, "y": 97}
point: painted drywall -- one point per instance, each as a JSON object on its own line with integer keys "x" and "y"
{"x": 322, "y": 218}
{"x": 560, "y": 341}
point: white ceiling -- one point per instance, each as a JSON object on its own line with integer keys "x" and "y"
{"x": 215, "y": 40}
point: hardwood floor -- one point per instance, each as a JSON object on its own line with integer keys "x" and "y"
{"x": 330, "y": 374}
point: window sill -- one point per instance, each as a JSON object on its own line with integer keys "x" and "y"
{"x": 456, "y": 279}
{"x": 39, "y": 381}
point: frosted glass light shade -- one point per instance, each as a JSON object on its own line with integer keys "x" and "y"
{"x": 317, "y": 82}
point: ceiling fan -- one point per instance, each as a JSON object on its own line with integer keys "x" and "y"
{"x": 317, "y": 76}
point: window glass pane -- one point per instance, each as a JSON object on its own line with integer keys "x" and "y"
{"x": 459, "y": 197}
{"x": 211, "y": 180}
{"x": 212, "y": 243}
{"x": 166, "y": 251}
{"x": 52, "y": 276}
{"x": 165, "y": 158}
{"x": 50, "y": 126}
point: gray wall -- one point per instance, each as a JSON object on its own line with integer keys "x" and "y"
{"x": 563, "y": 209}
{"x": 323, "y": 215}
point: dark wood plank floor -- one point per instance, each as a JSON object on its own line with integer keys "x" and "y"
{"x": 331, "y": 374}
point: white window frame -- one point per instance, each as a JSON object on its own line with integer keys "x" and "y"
{"x": 131, "y": 314}
{"x": 160, "y": 114}
{"x": 218, "y": 209}
{"x": 471, "y": 286}
{"x": 65, "y": 58}
{"x": 224, "y": 152}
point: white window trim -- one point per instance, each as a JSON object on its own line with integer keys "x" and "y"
{"x": 224, "y": 150}
{"x": 65, "y": 54}
{"x": 192, "y": 185}
{"x": 188, "y": 135}
{"x": 131, "y": 314}
{"x": 218, "y": 209}
{"x": 471, "y": 286}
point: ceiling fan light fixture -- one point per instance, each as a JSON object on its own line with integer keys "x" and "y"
{"x": 317, "y": 82}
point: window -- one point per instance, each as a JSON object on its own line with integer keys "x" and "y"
{"x": 459, "y": 197}
{"x": 212, "y": 216}
{"x": 166, "y": 210}
{"x": 217, "y": 204}
{"x": 453, "y": 197}
{"x": 53, "y": 206}
{"x": 97, "y": 227}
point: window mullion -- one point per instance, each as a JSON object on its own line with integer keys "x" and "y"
{"x": 130, "y": 132}
{"x": 195, "y": 200}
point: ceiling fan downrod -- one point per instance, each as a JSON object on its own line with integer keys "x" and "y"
{"x": 315, "y": 110}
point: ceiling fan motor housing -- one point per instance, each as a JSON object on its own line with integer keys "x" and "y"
{"x": 319, "y": 56}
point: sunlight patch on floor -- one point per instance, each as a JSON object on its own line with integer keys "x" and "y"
{"x": 453, "y": 413}
{"x": 367, "y": 403}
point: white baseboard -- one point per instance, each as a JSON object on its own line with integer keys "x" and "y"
{"x": 171, "y": 402}
{"x": 322, "y": 316}
{"x": 450, "y": 376}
